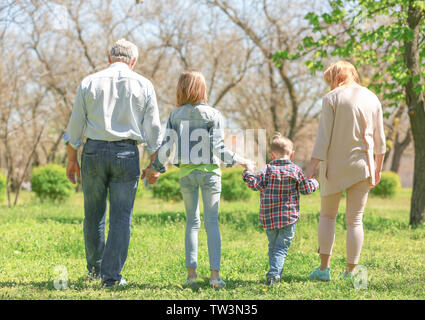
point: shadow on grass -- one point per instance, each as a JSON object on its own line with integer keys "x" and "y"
{"x": 234, "y": 218}
{"x": 167, "y": 216}
{"x": 81, "y": 283}
{"x": 289, "y": 278}
{"x": 63, "y": 220}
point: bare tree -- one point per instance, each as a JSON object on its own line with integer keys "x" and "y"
{"x": 270, "y": 26}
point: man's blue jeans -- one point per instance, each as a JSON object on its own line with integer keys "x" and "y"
{"x": 210, "y": 185}
{"x": 279, "y": 242}
{"x": 108, "y": 167}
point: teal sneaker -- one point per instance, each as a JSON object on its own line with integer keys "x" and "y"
{"x": 322, "y": 275}
{"x": 346, "y": 276}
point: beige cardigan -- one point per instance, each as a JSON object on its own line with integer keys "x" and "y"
{"x": 350, "y": 130}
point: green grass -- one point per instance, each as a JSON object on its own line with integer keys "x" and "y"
{"x": 36, "y": 237}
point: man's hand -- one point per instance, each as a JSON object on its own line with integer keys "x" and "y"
{"x": 152, "y": 159}
{"x": 151, "y": 175}
{"x": 72, "y": 169}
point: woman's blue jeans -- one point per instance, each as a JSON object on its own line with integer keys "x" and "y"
{"x": 279, "y": 242}
{"x": 210, "y": 185}
{"x": 108, "y": 167}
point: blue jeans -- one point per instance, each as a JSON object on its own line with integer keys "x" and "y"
{"x": 108, "y": 167}
{"x": 279, "y": 242}
{"x": 210, "y": 185}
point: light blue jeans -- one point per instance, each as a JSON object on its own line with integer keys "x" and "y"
{"x": 210, "y": 185}
{"x": 279, "y": 242}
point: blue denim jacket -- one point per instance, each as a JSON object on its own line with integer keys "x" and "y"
{"x": 196, "y": 133}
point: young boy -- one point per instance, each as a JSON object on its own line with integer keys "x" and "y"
{"x": 280, "y": 184}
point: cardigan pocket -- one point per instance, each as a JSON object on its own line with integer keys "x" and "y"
{"x": 323, "y": 170}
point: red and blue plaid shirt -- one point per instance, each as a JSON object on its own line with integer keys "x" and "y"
{"x": 280, "y": 184}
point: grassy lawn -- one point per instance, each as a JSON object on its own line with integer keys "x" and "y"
{"x": 35, "y": 238}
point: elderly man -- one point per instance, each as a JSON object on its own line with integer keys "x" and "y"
{"x": 116, "y": 109}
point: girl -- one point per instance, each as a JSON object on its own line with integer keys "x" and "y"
{"x": 196, "y": 131}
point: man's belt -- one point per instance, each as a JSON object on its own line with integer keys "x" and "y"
{"x": 133, "y": 142}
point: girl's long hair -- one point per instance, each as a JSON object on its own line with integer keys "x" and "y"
{"x": 191, "y": 88}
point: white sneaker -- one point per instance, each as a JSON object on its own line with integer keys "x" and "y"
{"x": 217, "y": 284}
{"x": 121, "y": 283}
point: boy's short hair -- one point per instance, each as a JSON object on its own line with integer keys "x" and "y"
{"x": 281, "y": 144}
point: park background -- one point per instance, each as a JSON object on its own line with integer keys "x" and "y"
{"x": 262, "y": 62}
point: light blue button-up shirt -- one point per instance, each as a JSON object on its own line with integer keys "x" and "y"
{"x": 115, "y": 104}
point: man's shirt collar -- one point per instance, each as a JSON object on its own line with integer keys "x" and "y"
{"x": 119, "y": 64}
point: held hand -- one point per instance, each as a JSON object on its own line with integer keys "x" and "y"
{"x": 72, "y": 169}
{"x": 151, "y": 175}
{"x": 311, "y": 171}
{"x": 248, "y": 165}
{"x": 144, "y": 170}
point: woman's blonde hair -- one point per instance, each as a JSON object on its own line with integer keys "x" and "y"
{"x": 191, "y": 88}
{"x": 340, "y": 73}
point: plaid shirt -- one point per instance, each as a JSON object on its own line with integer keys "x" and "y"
{"x": 280, "y": 184}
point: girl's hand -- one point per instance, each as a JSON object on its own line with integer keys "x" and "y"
{"x": 248, "y": 165}
{"x": 151, "y": 175}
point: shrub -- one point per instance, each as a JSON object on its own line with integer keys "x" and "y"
{"x": 3, "y": 187}
{"x": 232, "y": 186}
{"x": 50, "y": 183}
{"x": 388, "y": 186}
{"x": 168, "y": 186}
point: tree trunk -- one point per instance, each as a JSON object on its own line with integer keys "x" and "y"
{"x": 399, "y": 148}
{"x": 415, "y": 103}
{"x": 51, "y": 158}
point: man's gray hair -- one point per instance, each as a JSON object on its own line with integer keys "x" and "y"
{"x": 124, "y": 50}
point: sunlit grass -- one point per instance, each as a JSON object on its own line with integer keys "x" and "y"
{"x": 36, "y": 237}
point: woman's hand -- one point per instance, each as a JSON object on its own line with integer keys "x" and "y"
{"x": 311, "y": 171}
{"x": 379, "y": 161}
{"x": 377, "y": 177}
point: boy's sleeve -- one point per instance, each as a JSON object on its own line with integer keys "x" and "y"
{"x": 255, "y": 182}
{"x": 306, "y": 185}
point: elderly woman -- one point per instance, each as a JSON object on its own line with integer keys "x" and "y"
{"x": 350, "y": 131}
